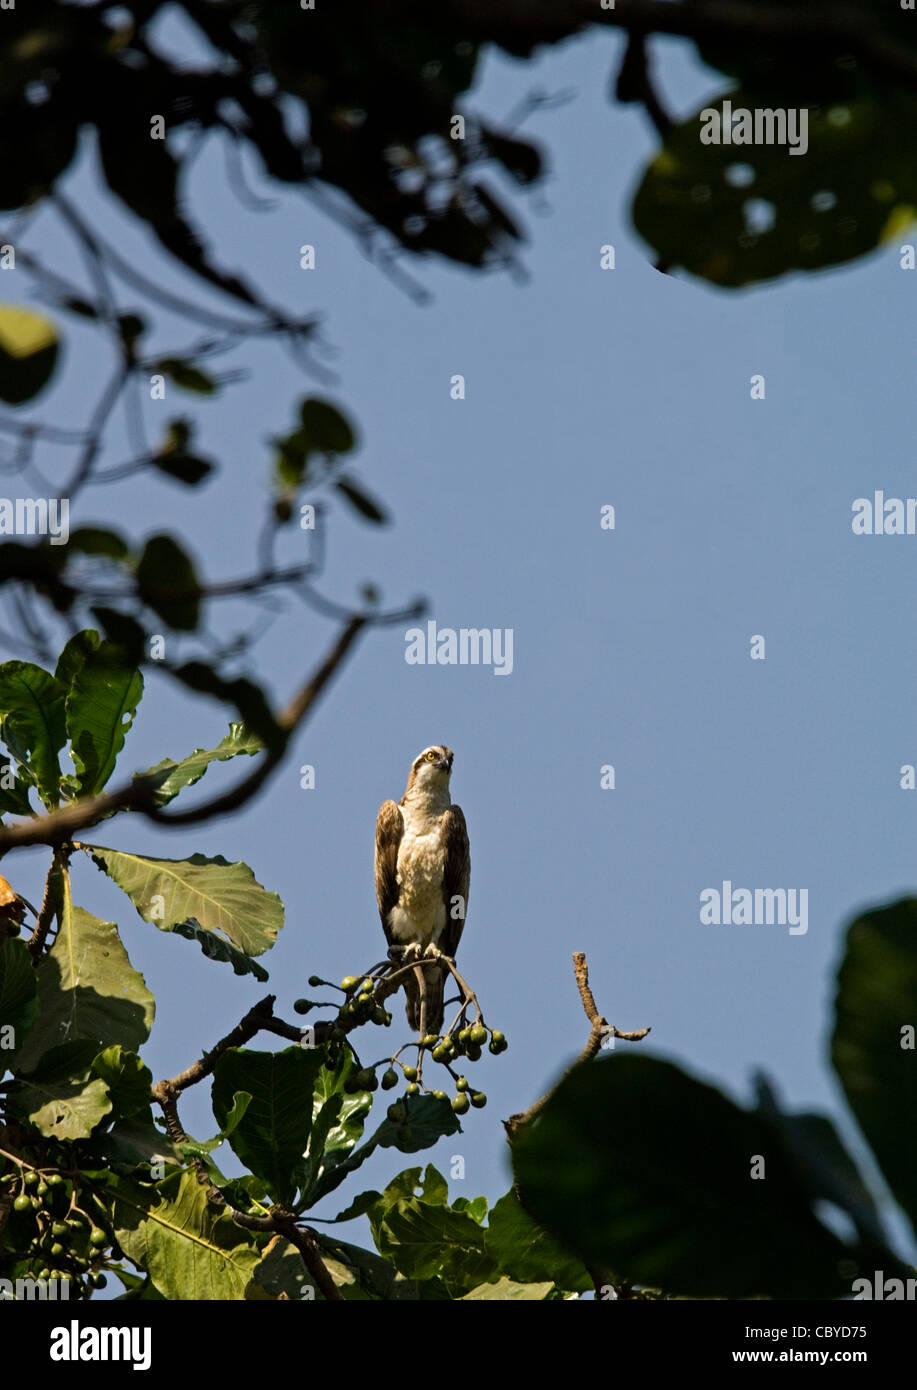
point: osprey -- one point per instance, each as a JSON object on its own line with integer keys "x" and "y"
{"x": 422, "y": 871}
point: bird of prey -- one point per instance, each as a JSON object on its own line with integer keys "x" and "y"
{"x": 422, "y": 871}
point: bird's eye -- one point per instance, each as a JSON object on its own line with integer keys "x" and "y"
{"x": 431, "y": 756}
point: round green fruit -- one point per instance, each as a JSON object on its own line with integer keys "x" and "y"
{"x": 389, "y": 1079}
{"x": 31, "y": 1178}
{"x": 442, "y": 1052}
{"x": 410, "y": 1073}
{"x": 97, "y": 1236}
{"x": 461, "y": 1084}
{"x": 22, "y": 1203}
{"x": 478, "y": 1035}
{"x": 349, "y": 983}
{"x": 431, "y": 1040}
{"x": 413, "y": 1089}
{"x": 460, "y": 1104}
{"x": 397, "y": 1113}
{"x": 479, "y": 1100}
{"x": 301, "y": 1006}
{"x": 439, "y": 1095}
{"x": 315, "y": 981}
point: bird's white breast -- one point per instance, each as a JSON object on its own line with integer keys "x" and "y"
{"x": 420, "y": 914}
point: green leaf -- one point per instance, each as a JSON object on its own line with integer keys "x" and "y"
{"x": 327, "y": 430}
{"x": 18, "y": 994}
{"x": 506, "y": 1289}
{"x": 271, "y": 1136}
{"x": 367, "y": 507}
{"x": 282, "y": 1272}
{"x": 291, "y": 462}
{"x": 96, "y": 540}
{"x": 364, "y": 1274}
{"x": 831, "y": 1173}
{"x": 28, "y": 353}
{"x": 527, "y": 1253}
{"x": 129, "y": 1080}
{"x": 61, "y": 1109}
{"x": 32, "y": 723}
{"x": 186, "y": 374}
{"x": 135, "y": 1141}
{"x": 215, "y": 948}
{"x": 61, "y": 1097}
{"x": 855, "y": 187}
{"x": 873, "y": 1047}
{"x": 191, "y": 1248}
{"x": 360, "y": 1205}
{"x": 100, "y": 708}
{"x": 173, "y": 776}
{"x": 14, "y": 789}
{"x": 240, "y": 1103}
{"x": 613, "y": 1170}
{"x": 476, "y": 1207}
{"x": 167, "y": 583}
{"x": 220, "y": 897}
{"x": 429, "y": 1239}
{"x": 428, "y": 1119}
{"x": 87, "y": 987}
{"x": 74, "y": 655}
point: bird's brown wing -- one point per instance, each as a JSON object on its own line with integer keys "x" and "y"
{"x": 456, "y": 877}
{"x": 389, "y": 830}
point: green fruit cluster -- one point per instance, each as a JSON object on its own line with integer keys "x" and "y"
{"x": 49, "y": 1234}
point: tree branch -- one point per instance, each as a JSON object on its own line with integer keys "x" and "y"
{"x": 599, "y": 1029}
{"x": 140, "y": 794}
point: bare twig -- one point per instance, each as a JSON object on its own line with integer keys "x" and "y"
{"x": 600, "y": 1028}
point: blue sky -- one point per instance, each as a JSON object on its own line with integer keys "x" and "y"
{"x": 631, "y": 647}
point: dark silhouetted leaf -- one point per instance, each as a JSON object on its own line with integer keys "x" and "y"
{"x": 369, "y": 509}
{"x": 873, "y": 1047}
{"x": 167, "y": 583}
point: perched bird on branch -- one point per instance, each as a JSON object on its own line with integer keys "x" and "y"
{"x": 422, "y": 872}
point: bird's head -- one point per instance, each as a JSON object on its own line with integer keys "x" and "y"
{"x": 431, "y": 769}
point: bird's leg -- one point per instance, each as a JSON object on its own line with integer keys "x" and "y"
{"x": 432, "y": 952}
